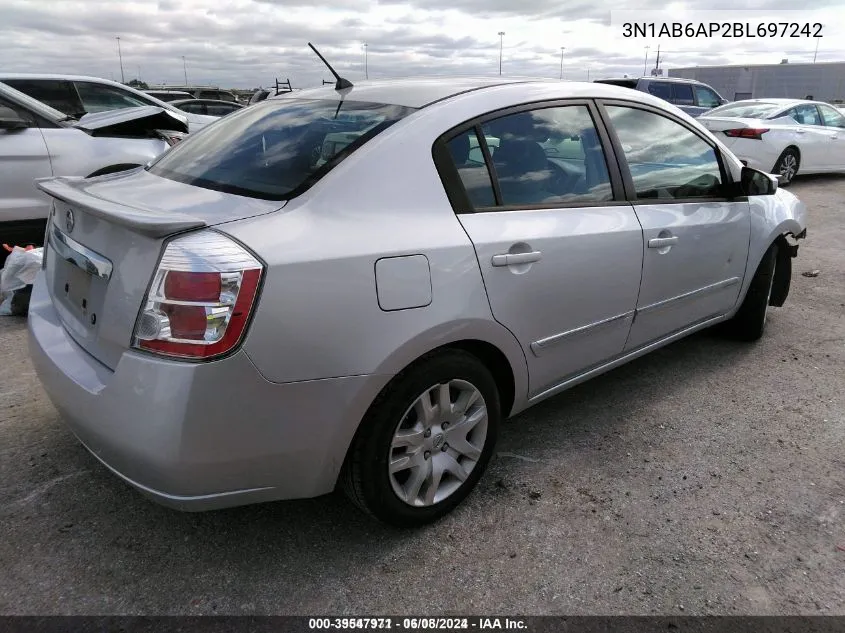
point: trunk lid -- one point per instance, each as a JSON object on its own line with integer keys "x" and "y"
{"x": 105, "y": 238}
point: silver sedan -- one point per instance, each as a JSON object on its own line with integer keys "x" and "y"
{"x": 357, "y": 286}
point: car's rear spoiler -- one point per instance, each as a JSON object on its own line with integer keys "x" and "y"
{"x": 153, "y": 223}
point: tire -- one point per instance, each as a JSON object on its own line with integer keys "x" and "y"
{"x": 749, "y": 322}
{"x": 787, "y": 166}
{"x": 407, "y": 497}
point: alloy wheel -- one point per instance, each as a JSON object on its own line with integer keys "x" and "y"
{"x": 437, "y": 443}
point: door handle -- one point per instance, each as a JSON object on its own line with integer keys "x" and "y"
{"x": 834, "y": 137}
{"x": 511, "y": 259}
{"x": 662, "y": 242}
{"x": 800, "y": 131}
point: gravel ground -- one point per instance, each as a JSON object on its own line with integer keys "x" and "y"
{"x": 706, "y": 478}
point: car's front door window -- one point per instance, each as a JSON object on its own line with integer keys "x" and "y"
{"x": 682, "y": 94}
{"x": 102, "y": 98}
{"x": 706, "y": 98}
{"x": 666, "y": 160}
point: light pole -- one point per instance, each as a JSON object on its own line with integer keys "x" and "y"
{"x": 817, "y": 49}
{"x": 562, "y": 48}
{"x": 185, "y": 69}
{"x": 501, "y": 45}
{"x": 366, "y": 66}
{"x": 120, "y": 57}
{"x": 645, "y": 61}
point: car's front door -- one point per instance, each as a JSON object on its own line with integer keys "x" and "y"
{"x": 695, "y": 237}
{"x": 23, "y": 158}
{"x": 560, "y": 252}
{"x": 834, "y": 121}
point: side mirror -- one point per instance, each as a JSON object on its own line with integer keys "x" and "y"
{"x": 11, "y": 120}
{"x": 756, "y": 183}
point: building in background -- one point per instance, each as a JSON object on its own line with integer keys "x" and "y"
{"x": 824, "y": 81}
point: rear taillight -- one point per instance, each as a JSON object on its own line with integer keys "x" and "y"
{"x": 747, "y": 132}
{"x": 200, "y": 299}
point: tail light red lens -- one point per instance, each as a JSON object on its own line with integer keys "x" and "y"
{"x": 200, "y": 298}
{"x": 747, "y": 132}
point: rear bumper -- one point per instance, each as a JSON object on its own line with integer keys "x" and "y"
{"x": 199, "y": 436}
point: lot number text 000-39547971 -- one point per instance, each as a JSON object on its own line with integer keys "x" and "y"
{"x": 722, "y": 29}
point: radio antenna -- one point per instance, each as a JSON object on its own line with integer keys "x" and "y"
{"x": 341, "y": 83}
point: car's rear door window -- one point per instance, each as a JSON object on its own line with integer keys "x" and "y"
{"x": 102, "y": 98}
{"x": 465, "y": 151}
{"x": 807, "y": 114}
{"x": 544, "y": 157}
{"x": 660, "y": 89}
{"x": 666, "y": 160}
{"x": 278, "y": 148}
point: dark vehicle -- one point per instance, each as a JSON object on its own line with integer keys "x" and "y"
{"x": 693, "y": 97}
{"x": 209, "y": 107}
{"x": 169, "y": 95}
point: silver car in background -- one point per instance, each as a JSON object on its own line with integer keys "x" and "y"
{"x": 356, "y": 287}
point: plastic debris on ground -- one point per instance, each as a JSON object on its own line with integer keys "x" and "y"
{"x": 16, "y": 279}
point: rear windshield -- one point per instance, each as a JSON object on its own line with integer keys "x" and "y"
{"x": 756, "y": 110}
{"x": 278, "y": 148}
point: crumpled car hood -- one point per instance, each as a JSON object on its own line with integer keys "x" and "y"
{"x": 132, "y": 121}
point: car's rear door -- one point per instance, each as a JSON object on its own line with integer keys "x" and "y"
{"x": 695, "y": 235}
{"x": 559, "y": 249}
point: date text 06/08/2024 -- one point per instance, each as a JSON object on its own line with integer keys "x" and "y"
{"x": 419, "y": 624}
{"x": 722, "y": 29}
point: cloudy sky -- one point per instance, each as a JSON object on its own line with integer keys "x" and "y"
{"x": 247, "y": 43}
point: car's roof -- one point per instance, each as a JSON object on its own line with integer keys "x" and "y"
{"x": 419, "y": 92}
{"x": 413, "y": 92}
{"x": 680, "y": 80}
{"x": 55, "y": 76}
{"x": 178, "y": 102}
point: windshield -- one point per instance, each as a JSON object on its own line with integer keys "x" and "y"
{"x": 747, "y": 109}
{"x": 278, "y": 148}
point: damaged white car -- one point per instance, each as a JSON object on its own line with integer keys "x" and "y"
{"x": 37, "y": 141}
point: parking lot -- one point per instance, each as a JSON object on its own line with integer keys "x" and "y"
{"x": 705, "y": 478}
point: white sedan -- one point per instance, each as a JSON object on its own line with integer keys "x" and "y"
{"x": 782, "y": 136}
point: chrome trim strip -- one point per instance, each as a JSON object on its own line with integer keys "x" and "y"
{"x": 719, "y": 285}
{"x": 538, "y": 347}
{"x": 72, "y": 251}
{"x": 621, "y": 360}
